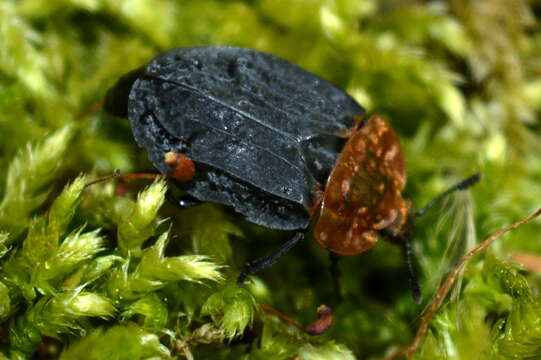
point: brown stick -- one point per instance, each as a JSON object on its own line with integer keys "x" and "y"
{"x": 410, "y": 351}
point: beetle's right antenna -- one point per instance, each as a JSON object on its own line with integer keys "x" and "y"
{"x": 463, "y": 185}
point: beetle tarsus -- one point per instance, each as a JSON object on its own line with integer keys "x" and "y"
{"x": 187, "y": 201}
{"x": 323, "y": 323}
{"x": 262, "y": 263}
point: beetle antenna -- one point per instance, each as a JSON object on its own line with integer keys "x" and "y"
{"x": 463, "y": 185}
{"x": 89, "y": 110}
{"x": 118, "y": 175}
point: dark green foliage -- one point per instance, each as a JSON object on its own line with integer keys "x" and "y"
{"x": 104, "y": 273}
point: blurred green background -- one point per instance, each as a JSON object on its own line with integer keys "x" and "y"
{"x": 459, "y": 80}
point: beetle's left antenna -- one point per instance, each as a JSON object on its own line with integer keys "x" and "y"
{"x": 89, "y": 110}
{"x": 118, "y": 175}
{"x": 463, "y": 185}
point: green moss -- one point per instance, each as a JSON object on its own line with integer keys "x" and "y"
{"x": 108, "y": 273}
{"x": 118, "y": 342}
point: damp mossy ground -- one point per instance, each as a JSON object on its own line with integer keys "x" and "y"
{"x": 114, "y": 271}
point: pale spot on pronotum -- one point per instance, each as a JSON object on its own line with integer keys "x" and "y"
{"x": 346, "y": 184}
{"x": 391, "y": 153}
{"x": 383, "y": 223}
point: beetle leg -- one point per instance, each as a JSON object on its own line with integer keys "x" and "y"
{"x": 187, "y": 201}
{"x": 321, "y": 325}
{"x": 414, "y": 281}
{"x": 335, "y": 275}
{"x": 262, "y": 263}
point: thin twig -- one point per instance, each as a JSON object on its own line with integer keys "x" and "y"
{"x": 410, "y": 351}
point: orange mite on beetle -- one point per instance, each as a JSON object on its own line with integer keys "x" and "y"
{"x": 252, "y": 131}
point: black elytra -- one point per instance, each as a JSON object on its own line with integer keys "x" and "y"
{"x": 263, "y": 133}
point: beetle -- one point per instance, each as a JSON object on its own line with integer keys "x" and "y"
{"x": 277, "y": 143}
